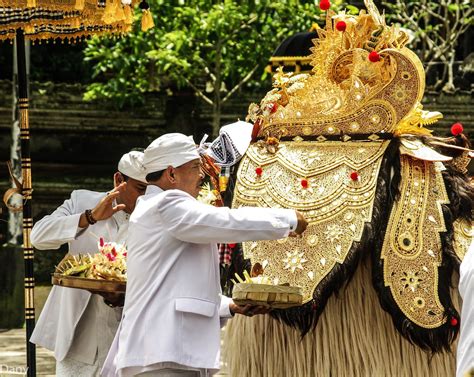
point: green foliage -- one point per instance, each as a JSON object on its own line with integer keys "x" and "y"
{"x": 436, "y": 27}
{"x": 210, "y": 46}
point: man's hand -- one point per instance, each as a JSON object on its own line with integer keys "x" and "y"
{"x": 105, "y": 208}
{"x": 113, "y": 299}
{"x": 248, "y": 310}
{"x": 301, "y": 225}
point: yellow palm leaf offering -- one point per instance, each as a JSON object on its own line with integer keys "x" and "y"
{"x": 207, "y": 195}
{"x": 110, "y": 263}
{"x": 103, "y": 272}
{"x": 260, "y": 290}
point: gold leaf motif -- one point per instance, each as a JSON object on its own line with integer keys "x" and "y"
{"x": 463, "y": 237}
{"x": 329, "y": 209}
{"x": 411, "y": 251}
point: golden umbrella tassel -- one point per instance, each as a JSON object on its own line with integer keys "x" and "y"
{"x": 68, "y": 20}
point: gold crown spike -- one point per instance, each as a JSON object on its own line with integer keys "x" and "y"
{"x": 364, "y": 81}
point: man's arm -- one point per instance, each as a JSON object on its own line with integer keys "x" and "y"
{"x": 58, "y": 228}
{"x": 68, "y": 222}
{"x": 191, "y": 221}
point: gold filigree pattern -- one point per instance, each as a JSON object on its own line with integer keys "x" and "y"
{"x": 463, "y": 237}
{"x": 412, "y": 246}
{"x": 348, "y": 93}
{"x": 336, "y": 206}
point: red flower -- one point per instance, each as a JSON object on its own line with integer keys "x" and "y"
{"x": 341, "y": 26}
{"x": 125, "y": 254}
{"x": 324, "y": 4}
{"x": 232, "y": 245}
{"x": 101, "y": 242}
{"x": 304, "y": 183}
{"x": 457, "y": 129}
{"x": 374, "y": 56}
{"x": 259, "y": 171}
{"x": 453, "y": 321}
{"x": 114, "y": 252}
{"x": 110, "y": 257}
{"x": 354, "y": 176}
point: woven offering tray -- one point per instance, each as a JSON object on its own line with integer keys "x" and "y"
{"x": 91, "y": 285}
{"x": 273, "y": 296}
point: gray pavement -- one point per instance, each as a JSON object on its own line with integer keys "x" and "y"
{"x": 13, "y": 347}
{"x": 13, "y": 355}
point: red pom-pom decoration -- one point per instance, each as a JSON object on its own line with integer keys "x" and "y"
{"x": 457, "y": 129}
{"x": 232, "y": 245}
{"x": 374, "y": 56}
{"x": 324, "y": 4}
{"x": 304, "y": 183}
{"x": 453, "y": 321}
{"x": 259, "y": 171}
{"x": 341, "y": 26}
{"x": 354, "y": 176}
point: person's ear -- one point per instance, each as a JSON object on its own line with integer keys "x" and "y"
{"x": 118, "y": 179}
{"x": 171, "y": 174}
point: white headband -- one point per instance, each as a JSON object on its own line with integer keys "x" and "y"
{"x": 173, "y": 149}
{"x": 131, "y": 164}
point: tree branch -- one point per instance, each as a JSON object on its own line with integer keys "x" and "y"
{"x": 239, "y": 85}
{"x": 199, "y": 92}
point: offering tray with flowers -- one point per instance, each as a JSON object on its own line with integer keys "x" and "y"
{"x": 260, "y": 291}
{"x": 103, "y": 272}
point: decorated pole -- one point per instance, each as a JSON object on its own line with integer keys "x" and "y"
{"x": 26, "y": 191}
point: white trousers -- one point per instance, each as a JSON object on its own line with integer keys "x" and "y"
{"x": 168, "y": 372}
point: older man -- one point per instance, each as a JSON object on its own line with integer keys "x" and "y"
{"x": 78, "y": 326}
{"x": 170, "y": 324}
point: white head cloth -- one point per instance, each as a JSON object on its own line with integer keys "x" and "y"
{"x": 131, "y": 164}
{"x": 173, "y": 149}
{"x": 232, "y": 143}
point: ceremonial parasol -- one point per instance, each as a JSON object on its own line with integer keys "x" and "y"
{"x": 64, "y": 20}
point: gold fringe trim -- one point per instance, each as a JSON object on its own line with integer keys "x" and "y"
{"x": 31, "y": 3}
{"x": 110, "y": 11}
{"x": 80, "y": 4}
{"x": 128, "y": 14}
{"x": 147, "y": 20}
{"x": 354, "y": 337}
{"x": 119, "y": 14}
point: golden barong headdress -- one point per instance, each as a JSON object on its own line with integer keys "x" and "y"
{"x": 347, "y": 146}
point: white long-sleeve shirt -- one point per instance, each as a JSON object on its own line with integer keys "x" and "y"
{"x": 465, "y": 351}
{"x": 171, "y": 311}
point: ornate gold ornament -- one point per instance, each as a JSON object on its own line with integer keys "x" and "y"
{"x": 463, "y": 237}
{"x": 336, "y": 206}
{"x": 334, "y": 128}
{"x": 412, "y": 244}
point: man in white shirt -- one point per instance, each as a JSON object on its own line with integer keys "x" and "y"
{"x": 171, "y": 318}
{"x": 77, "y": 325}
{"x": 465, "y": 352}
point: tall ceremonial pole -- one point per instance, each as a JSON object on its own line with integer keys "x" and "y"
{"x": 28, "y": 252}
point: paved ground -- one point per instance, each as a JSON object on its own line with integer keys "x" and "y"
{"x": 13, "y": 348}
{"x": 13, "y": 355}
